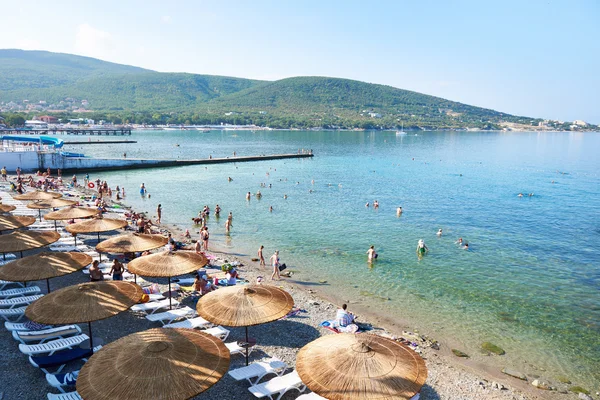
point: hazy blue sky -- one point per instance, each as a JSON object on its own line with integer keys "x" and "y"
{"x": 528, "y": 57}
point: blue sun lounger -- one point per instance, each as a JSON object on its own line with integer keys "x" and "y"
{"x": 59, "y": 360}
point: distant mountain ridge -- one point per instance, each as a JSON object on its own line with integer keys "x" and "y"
{"x": 127, "y": 91}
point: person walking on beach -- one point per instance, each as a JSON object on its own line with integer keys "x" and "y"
{"x": 4, "y": 173}
{"x": 116, "y": 270}
{"x": 371, "y": 254}
{"x": 261, "y": 258}
{"x": 275, "y": 264}
{"x": 158, "y": 213}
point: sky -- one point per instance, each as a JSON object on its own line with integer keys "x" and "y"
{"x": 529, "y": 57}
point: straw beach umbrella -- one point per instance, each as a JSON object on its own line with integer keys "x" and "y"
{"x": 52, "y": 203}
{"x": 20, "y": 241}
{"x": 360, "y": 366}
{"x": 37, "y": 195}
{"x": 131, "y": 243}
{"x": 44, "y": 265}
{"x": 86, "y": 302}
{"x": 245, "y": 306}
{"x": 167, "y": 264}
{"x": 9, "y": 222}
{"x": 71, "y": 213}
{"x": 96, "y": 225}
{"x": 5, "y": 208}
{"x": 154, "y": 364}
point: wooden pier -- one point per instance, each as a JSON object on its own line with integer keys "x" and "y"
{"x": 78, "y": 142}
{"x": 117, "y": 130}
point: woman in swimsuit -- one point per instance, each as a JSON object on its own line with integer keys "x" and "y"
{"x": 117, "y": 270}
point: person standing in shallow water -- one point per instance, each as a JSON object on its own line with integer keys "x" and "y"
{"x": 158, "y": 213}
{"x": 371, "y": 254}
{"x": 260, "y": 256}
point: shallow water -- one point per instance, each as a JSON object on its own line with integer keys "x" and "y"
{"x": 529, "y": 283}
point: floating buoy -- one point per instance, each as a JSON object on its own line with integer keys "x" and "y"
{"x": 91, "y": 185}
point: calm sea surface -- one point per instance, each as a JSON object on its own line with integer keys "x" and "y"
{"x": 530, "y": 282}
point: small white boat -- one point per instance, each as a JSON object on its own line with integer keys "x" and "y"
{"x": 401, "y": 131}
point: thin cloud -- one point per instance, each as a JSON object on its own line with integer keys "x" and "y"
{"x": 166, "y": 19}
{"x": 93, "y": 42}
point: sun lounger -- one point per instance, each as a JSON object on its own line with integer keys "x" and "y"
{"x": 152, "y": 306}
{"x": 17, "y": 313}
{"x": 15, "y": 326}
{"x": 311, "y": 396}
{"x": 23, "y": 291}
{"x": 46, "y": 334}
{"x": 4, "y": 284}
{"x": 192, "y": 323}
{"x": 52, "y": 346}
{"x": 60, "y": 359}
{"x": 64, "y": 396}
{"x": 235, "y": 348}
{"x": 59, "y": 381}
{"x": 275, "y": 388}
{"x": 218, "y": 331}
{"x": 19, "y": 301}
{"x": 169, "y": 316}
{"x": 254, "y": 372}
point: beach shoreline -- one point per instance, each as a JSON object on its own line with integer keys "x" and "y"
{"x": 449, "y": 377}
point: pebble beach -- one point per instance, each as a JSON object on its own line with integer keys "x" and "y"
{"x": 449, "y": 376}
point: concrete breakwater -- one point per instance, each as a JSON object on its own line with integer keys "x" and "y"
{"x": 32, "y": 161}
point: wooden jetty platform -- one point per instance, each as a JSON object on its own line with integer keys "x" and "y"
{"x": 84, "y": 164}
{"x": 117, "y": 130}
{"x": 100, "y": 142}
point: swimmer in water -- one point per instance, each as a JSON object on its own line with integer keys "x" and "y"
{"x": 258, "y": 194}
{"x": 459, "y": 242}
{"x": 520, "y": 195}
{"x": 229, "y": 179}
{"x": 371, "y": 254}
{"x": 466, "y": 246}
{"x": 376, "y": 204}
{"x": 312, "y": 182}
{"x": 367, "y": 205}
{"x": 248, "y": 196}
{"x": 399, "y": 211}
{"x": 270, "y": 208}
{"x": 285, "y": 196}
{"x": 439, "y": 232}
{"x": 530, "y": 194}
{"x": 421, "y": 247}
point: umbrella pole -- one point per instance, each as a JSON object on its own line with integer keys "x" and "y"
{"x": 40, "y": 212}
{"x": 170, "y": 305}
{"x": 135, "y": 278}
{"x": 98, "y": 237}
{"x": 75, "y": 237}
{"x": 55, "y": 226}
{"x": 48, "y": 284}
{"x": 91, "y": 337}
{"x": 21, "y": 254}
{"x": 247, "y": 346}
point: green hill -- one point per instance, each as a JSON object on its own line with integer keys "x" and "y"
{"x": 118, "y": 92}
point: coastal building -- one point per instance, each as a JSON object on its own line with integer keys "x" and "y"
{"x": 374, "y": 115}
{"x": 48, "y": 119}
{"x": 579, "y": 122}
{"x": 33, "y": 123}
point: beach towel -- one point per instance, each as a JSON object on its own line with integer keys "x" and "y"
{"x": 333, "y": 327}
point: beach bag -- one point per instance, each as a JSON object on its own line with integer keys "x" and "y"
{"x": 152, "y": 289}
{"x": 282, "y": 267}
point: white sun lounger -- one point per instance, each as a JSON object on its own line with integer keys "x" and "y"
{"x": 218, "y": 331}
{"x": 235, "y": 348}
{"x": 254, "y": 372}
{"x": 152, "y": 306}
{"x": 275, "y": 388}
{"x": 7, "y": 313}
{"x": 19, "y": 301}
{"x": 46, "y": 334}
{"x": 311, "y": 396}
{"x": 64, "y": 396}
{"x": 169, "y": 316}
{"x": 23, "y": 291}
{"x": 192, "y": 323}
{"x": 52, "y": 346}
{"x": 4, "y": 284}
{"x": 60, "y": 381}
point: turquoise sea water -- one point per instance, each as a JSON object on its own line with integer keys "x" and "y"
{"x": 530, "y": 282}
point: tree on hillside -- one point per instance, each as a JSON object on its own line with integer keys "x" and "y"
{"x": 14, "y": 120}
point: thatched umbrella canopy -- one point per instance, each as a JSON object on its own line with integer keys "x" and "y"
{"x": 10, "y": 222}
{"x": 96, "y": 225}
{"x": 71, "y": 213}
{"x": 37, "y": 195}
{"x": 246, "y": 306}
{"x": 51, "y": 203}
{"x": 131, "y": 242}
{"x": 360, "y": 366}
{"x": 154, "y": 364}
{"x": 86, "y": 302}
{"x": 4, "y": 208}
{"x": 44, "y": 265}
{"x": 20, "y": 241}
{"x": 167, "y": 264}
